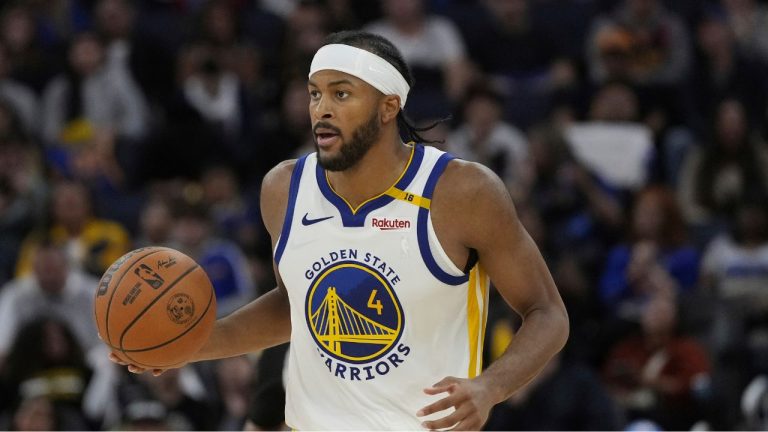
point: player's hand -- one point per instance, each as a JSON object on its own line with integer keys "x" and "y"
{"x": 472, "y": 403}
{"x": 132, "y": 367}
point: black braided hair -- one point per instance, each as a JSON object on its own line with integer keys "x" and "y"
{"x": 385, "y": 49}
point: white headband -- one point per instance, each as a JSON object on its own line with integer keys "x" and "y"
{"x": 364, "y": 65}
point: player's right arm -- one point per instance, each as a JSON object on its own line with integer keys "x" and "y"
{"x": 264, "y": 322}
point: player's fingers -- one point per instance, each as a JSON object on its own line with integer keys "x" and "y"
{"x": 135, "y": 369}
{"x": 440, "y": 405}
{"x": 448, "y": 421}
{"x": 440, "y": 389}
{"x": 446, "y": 381}
{"x": 467, "y": 425}
{"x": 157, "y": 372}
{"x": 116, "y": 359}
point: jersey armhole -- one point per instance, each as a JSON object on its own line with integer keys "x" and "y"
{"x": 293, "y": 192}
{"x": 428, "y": 238}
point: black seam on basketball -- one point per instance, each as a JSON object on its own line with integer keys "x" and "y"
{"x": 193, "y": 325}
{"x": 152, "y": 303}
{"x": 114, "y": 290}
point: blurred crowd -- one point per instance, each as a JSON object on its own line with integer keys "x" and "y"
{"x": 631, "y": 135}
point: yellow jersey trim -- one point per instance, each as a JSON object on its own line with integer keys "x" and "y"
{"x": 477, "y": 317}
{"x": 408, "y": 197}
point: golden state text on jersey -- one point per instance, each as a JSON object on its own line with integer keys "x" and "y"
{"x": 354, "y": 315}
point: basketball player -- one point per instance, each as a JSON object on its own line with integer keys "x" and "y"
{"x": 383, "y": 252}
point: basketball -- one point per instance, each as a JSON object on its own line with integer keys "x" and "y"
{"x": 155, "y": 307}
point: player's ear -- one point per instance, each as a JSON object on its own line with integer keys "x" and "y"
{"x": 390, "y": 106}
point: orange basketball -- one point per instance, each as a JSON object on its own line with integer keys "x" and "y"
{"x": 155, "y": 307}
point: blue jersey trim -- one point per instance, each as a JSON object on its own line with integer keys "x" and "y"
{"x": 422, "y": 228}
{"x": 293, "y": 192}
{"x": 357, "y": 219}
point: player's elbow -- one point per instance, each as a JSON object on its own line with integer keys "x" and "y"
{"x": 560, "y": 325}
{"x": 557, "y": 320}
{"x": 552, "y": 320}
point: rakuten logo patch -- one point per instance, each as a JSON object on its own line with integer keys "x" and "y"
{"x": 386, "y": 224}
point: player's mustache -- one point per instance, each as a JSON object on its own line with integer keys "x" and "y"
{"x": 325, "y": 125}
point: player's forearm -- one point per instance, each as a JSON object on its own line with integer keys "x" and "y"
{"x": 543, "y": 333}
{"x": 263, "y": 323}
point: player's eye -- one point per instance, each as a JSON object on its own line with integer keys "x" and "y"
{"x": 314, "y": 94}
{"x": 341, "y": 94}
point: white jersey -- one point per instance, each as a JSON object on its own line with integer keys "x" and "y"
{"x": 378, "y": 310}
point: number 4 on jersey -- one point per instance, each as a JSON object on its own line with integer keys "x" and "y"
{"x": 377, "y": 305}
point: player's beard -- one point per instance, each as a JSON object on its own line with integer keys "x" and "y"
{"x": 350, "y": 153}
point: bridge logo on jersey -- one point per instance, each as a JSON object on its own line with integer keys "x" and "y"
{"x": 353, "y": 313}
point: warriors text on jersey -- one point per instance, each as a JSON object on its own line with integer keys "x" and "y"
{"x": 378, "y": 310}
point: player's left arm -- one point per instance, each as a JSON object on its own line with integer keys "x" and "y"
{"x": 472, "y": 207}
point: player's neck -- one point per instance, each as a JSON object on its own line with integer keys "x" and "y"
{"x": 376, "y": 172}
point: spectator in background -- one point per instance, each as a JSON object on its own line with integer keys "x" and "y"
{"x": 46, "y": 372}
{"x": 128, "y": 51}
{"x": 29, "y": 62}
{"x": 46, "y": 361}
{"x": 657, "y": 259}
{"x": 268, "y": 408}
{"x": 293, "y": 130}
{"x": 509, "y": 46}
{"x": 614, "y": 49}
{"x": 655, "y": 39}
{"x": 90, "y": 96}
{"x": 175, "y": 400}
{"x": 148, "y": 415}
{"x": 486, "y": 138}
{"x": 506, "y": 26}
{"x": 17, "y": 96}
{"x": 53, "y": 290}
{"x": 34, "y": 414}
{"x": 306, "y": 27}
{"x": 91, "y": 244}
{"x": 735, "y": 272}
{"x": 22, "y": 196}
{"x": 222, "y": 82}
{"x": 86, "y": 139}
{"x": 658, "y": 374}
{"x": 434, "y": 50}
{"x": 233, "y": 217}
{"x": 218, "y": 25}
{"x": 721, "y": 70}
{"x": 574, "y": 204}
{"x": 221, "y": 259}
{"x": 731, "y": 167}
{"x": 345, "y": 14}
{"x": 215, "y": 96}
{"x": 748, "y": 19}
{"x": 562, "y": 397}
{"x": 614, "y": 102}
{"x": 234, "y": 376}
{"x": 155, "y": 224}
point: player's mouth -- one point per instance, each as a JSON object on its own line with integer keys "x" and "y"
{"x": 326, "y": 140}
{"x": 326, "y": 136}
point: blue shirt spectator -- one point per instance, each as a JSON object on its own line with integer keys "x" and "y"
{"x": 657, "y": 260}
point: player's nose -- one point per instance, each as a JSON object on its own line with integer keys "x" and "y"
{"x": 323, "y": 110}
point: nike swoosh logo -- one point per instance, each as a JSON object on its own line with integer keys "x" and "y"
{"x": 307, "y": 221}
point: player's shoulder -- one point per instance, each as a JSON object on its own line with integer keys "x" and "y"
{"x": 468, "y": 181}
{"x": 280, "y": 173}
{"x": 470, "y": 203}
{"x": 274, "y": 193}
